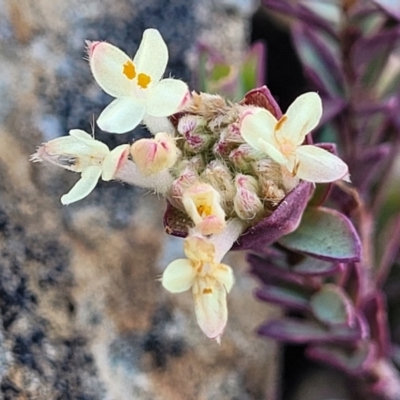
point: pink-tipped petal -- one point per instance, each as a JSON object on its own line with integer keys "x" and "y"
{"x": 210, "y": 306}
{"x": 258, "y": 124}
{"x": 107, "y": 65}
{"x": 166, "y": 98}
{"x": 84, "y": 186}
{"x": 178, "y": 276}
{"x": 318, "y": 165}
{"x": 114, "y": 160}
{"x": 121, "y": 116}
{"x": 152, "y": 55}
{"x": 301, "y": 117}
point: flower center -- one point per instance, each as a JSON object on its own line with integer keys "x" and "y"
{"x": 129, "y": 70}
{"x": 143, "y": 80}
{"x": 204, "y": 210}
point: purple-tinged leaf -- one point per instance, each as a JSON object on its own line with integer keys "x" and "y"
{"x": 331, "y": 108}
{"x": 370, "y": 54}
{"x": 176, "y": 222}
{"x": 352, "y": 282}
{"x": 326, "y": 234}
{"x": 275, "y": 270}
{"x": 310, "y": 266}
{"x": 352, "y": 361}
{"x": 301, "y": 13}
{"x": 283, "y": 220}
{"x": 262, "y": 97}
{"x": 370, "y": 165}
{"x": 295, "y": 330}
{"x": 375, "y": 312}
{"x": 253, "y": 69}
{"x": 392, "y": 7}
{"x": 332, "y": 306}
{"x": 318, "y": 57}
{"x": 288, "y": 297}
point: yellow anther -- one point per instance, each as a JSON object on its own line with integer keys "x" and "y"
{"x": 204, "y": 210}
{"x": 280, "y": 122}
{"x": 207, "y": 291}
{"x": 143, "y": 80}
{"x": 129, "y": 70}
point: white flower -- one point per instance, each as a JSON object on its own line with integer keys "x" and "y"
{"x": 136, "y": 84}
{"x": 203, "y": 205}
{"x": 282, "y": 140}
{"x": 80, "y": 152}
{"x": 209, "y": 279}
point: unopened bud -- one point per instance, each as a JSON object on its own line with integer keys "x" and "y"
{"x": 270, "y": 178}
{"x": 203, "y": 205}
{"x": 219, "y": 177}
{"x": 192, "y": 128}
{"x": 243, "y": 156}
{"x": 155, "y": 155}
{"x": 187, "y": 178}
{"x": 247, "y": 203}
{"x": 229, "y": 139}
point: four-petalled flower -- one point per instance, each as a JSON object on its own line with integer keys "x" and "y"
{"x": 136, "y": 84}
{"x": 80, "y": 152}
{"x": 209, "y": 280}
{"x": 282, "y": 140}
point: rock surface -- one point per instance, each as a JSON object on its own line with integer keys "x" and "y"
{"x": 83, "y": 315}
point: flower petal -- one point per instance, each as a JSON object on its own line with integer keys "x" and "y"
{"x": 86, "y": 144}
{"x": 152, "y": 55}
{"x": 224, "y": 274}
{"x": 258, "y": 124}
{"x": 84, "y": 186}
{"x": 210, "y": 306}
{"x": 166, "y": 98}
{"x": 81, "y": 135}
{"x": 114, "y": 160}
{"x": 318, "y": 165}
{"x": 301, "y": 117}
{"x": 178, "y": 276}
{"x": 121, "y": 116}
{"x": 272, "y": 151}
{"x": 107, "y": 65}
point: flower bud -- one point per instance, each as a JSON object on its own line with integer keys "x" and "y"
{"x": 242, "y": 157}
{"x": 219, "y": 177}
{"x": 192, "y": 128}
{"x": 155, "y": 155}
{"x": 203, "y": 205}
{"x": 270, "y": 178}
{"x": 187, "y": 178}
{"x": 229, "y": 139}
{"x": 247, "y": 203}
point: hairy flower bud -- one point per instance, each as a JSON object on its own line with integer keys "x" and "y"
{"x": 155, "y": 155}
{"x": 247, "y": 203}
{"x": 192, "y": 128}
{"x": 219, "y": 177}
{"x": 229, "y": 139}
{"x": 243, "y": 156}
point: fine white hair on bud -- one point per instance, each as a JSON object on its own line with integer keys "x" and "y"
{"x": 247, "y": 203}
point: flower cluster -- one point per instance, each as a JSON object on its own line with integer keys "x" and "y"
{"x": 222, "y": 167}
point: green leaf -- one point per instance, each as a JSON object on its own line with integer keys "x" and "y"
{"x": 332, "y": 306}
{"x": 326, "y": 234}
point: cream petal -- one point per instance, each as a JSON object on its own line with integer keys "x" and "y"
{"x": 84, "y": 186}
{"x": 114, "y": 160}
{"x": 178, "y": 276}
{"x": 166, "y": 98}
{"x": 272, "y": 151}
{"x": 86, "y": 141}
{"x": 122, "y": 115}
{"x": 210, "y": 306}
{"x": 256, "y": 124}
{"x": 302, "y": 116}
{"x": 224, "y": 274}
{"x": 152, "y": 55}
{"x": 107, "y": 65}
{"x": 318, "y": 165}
